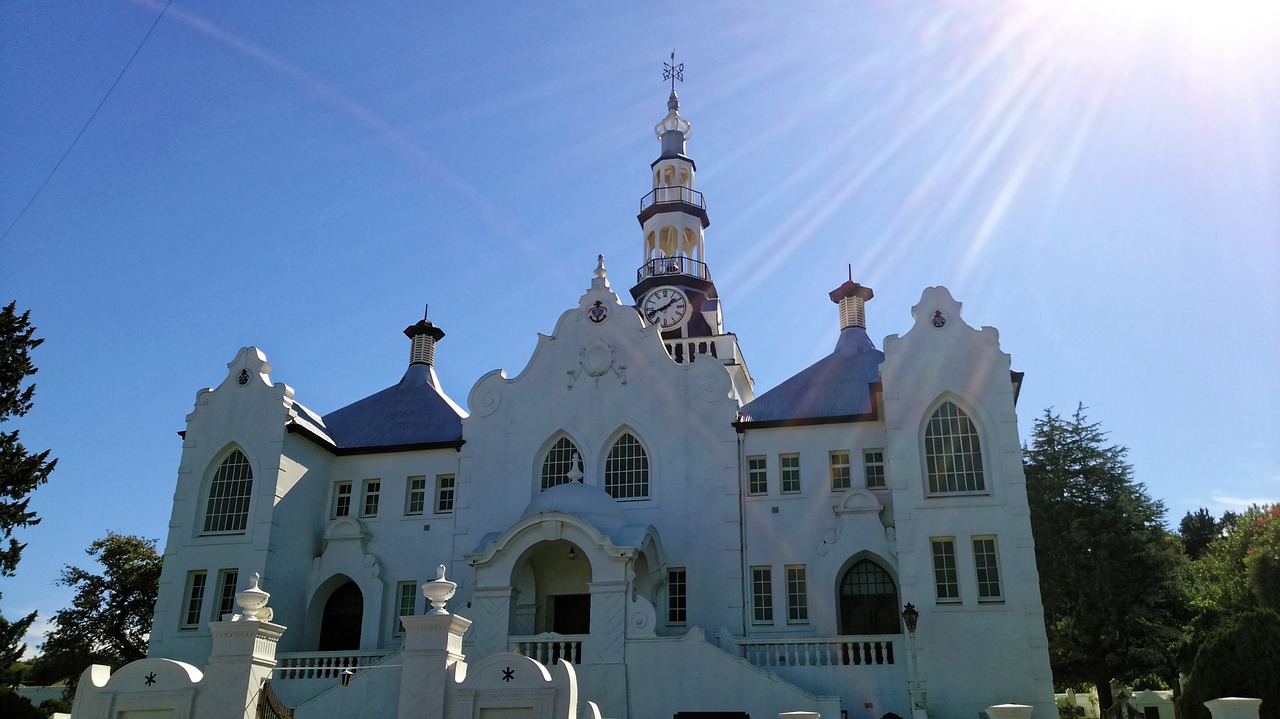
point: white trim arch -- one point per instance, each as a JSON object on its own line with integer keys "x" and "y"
{"x": 345, "y": 555}
{"x": 981, "y": 426}
{"x": 211, "y": 470}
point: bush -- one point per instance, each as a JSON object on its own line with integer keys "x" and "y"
{"x": 1238, "y": 659}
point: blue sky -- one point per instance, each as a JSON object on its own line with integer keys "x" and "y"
{"x": 1101, "y": 183}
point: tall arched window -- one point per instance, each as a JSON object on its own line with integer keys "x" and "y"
{"x": 868, "y": 600}
{"x": 626, "y": 471}
{"x": 952, "y": 452}
{"x": 228, "y": 507}
{"x": 561, "y": 465}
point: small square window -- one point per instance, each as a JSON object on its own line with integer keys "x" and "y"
{"x": 444, "y": 493}
{"x": 369, "y": 505}
{"x": 757, "y": 475}
{"x": 873, "y": 465}
{"x": 762, "y": 595}
{"x": 416, "y": 499}
{"x": 341, "y": 500}
{"x": 790, "y": 468}
{"x": 840, "y": 471}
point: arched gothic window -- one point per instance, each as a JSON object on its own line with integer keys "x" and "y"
{"x": 952, "y": 452}
{"x": 228, "y": 507}
{"x": 868, "y": 600}
{"x": 561, "y": 465}
{"x": 626, "y": 471}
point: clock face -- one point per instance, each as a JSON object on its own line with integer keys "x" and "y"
{"x": 666, "y": 307}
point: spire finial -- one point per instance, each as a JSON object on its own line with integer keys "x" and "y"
{"x": 425, "y": 309}
{"x": 600, "y": 272}
{"x": 671, "y": 71}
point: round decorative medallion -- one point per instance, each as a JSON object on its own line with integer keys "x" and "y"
{"x": 243, "y": 379}
{"x": 938, "y": 320}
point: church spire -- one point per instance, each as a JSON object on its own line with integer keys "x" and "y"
{"x": 424, "y": 336}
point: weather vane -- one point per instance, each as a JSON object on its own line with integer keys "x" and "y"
{"x": 673, "y": 71}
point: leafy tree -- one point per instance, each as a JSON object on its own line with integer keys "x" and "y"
{"x": 110, "y": 616}
{"x": 1238, "y": 659}
{"x": 21, "y": 471}
{"x": 1262, "y": 559}
{"x": 1109, "y": 571}
{"x": 1197, "y": 530}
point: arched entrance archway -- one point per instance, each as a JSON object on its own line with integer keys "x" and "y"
{"x": 868, "y": 600}
{"x": 343, "y": 614}
{"x": 552, "y": 589}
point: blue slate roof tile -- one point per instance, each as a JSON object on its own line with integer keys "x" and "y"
{"x": 411, "y": 412}
{"x": 836, "y": 386}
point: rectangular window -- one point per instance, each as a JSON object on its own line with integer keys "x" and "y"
{"x": 839, "y": 471}
{"x": 406, "y": 603}
{"x": 341, "y": 499}
{"x": 873, "y": 464}
{"x": 193, "y": 600}
{"x": 797, "y": 595}
{"x": 762, "y": 595}
{"x": 227, "y": 579}
{"x": 369, "y": 503}
{"x": 444, "y": 493}
{"x": 416, "y": 499}
{"x": 757, "y": 475}
{"x": 790, "y": 466}
{"x": 945, "y": 580}
{"x": 676, "y": 607}
{"x": 987, "y": 566}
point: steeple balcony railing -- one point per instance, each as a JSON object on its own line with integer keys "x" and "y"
{"x": 672, "y": 267}
{"x": 672, "y": 194}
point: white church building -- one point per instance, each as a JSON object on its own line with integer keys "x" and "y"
{"x": 629, "y": 502}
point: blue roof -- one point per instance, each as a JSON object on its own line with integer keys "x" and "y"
{"x": 836, "y": 386}
{"x": 412, "y": 412}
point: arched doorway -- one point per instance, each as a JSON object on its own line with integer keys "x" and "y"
{"x": 552, "y": 590}
{"x": 343, "y": 614}
{"x": 868, "y": 600}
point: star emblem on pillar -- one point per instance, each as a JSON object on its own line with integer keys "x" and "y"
{"x": 508, "y": 674}
{"x": 151, "y": 678}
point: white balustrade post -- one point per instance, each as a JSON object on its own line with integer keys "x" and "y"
{"x": 1234, "y": 708}
{"x": 432, "y": 644}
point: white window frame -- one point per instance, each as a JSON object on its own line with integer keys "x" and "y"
{"x": 797, "y": 594}
{"x": 873, "y": 459}
{"x": 370, "y": 497}
{"x": 789, "y": 476}
{"x": 762, "y": 595}
{"x": 226, "y": 588}
{"x": 677, "y": 596}
{"x": 406, "y": 598}
{"x": 557, "y": 462}
{"x": 226, "y": 508}
{"x": 946, "y": 573}
{"x": 986, "y": 567}
{"x": 841, "y": 471}
{"x": 342, "y": 496}
{"x": 758, "y": 477}
{"x": 953, "y": 452}
{"x": 626, "y": 469}
{"x": 446, "y": 493}
{"x": 193, "y": 599}
{"x": 415, "y": 498}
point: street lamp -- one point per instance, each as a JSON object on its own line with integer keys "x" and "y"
{"x": 919, "y": 705}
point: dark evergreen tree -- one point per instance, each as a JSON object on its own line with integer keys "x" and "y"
{"x": 21, "y": 471}
{"x": 12, "y": 648}
{"x": 1109, "y": 571}
{"x": 110, "y": 616}
{"x": 1197, "y": 530}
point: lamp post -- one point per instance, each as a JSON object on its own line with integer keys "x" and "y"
{"x": 919, "y": 706}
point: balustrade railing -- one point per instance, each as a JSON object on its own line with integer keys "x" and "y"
{"x": 673, "y": 266}
{"x": 549, "y": 646}
{"x": 675, "y": 193}
{"x": 839, "y": 651}
{"x": 321, "y": 665}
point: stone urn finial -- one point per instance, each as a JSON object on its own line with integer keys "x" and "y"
{"x": 253, "y": 601}
{"x": 439, "y": 591}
